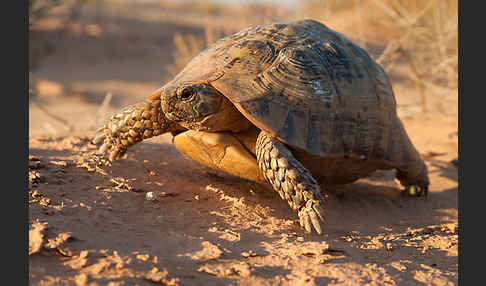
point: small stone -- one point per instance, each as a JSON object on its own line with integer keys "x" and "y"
{"x": 150, "y": 196}
{"x": 248, "y": 253}
{"x": 35, "y": 194}
{"x": 45, "y": 202}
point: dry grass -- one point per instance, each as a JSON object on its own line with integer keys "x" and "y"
{"x": 424, "y": 34}
{"x": 187, "y": 46}
{"x": 430, "y": 46}
{"x": 429, "y": 41}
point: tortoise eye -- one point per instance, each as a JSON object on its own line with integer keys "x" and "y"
{"x": 187, "y": 93}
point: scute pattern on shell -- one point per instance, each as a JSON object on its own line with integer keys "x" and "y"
{"x": 309, "y": 86}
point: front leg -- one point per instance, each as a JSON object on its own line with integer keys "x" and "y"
{"x": 131, "y": 125}
{"x": 291, "y": 180}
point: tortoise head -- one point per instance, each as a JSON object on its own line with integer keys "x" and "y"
{"x": 199, "y": 106}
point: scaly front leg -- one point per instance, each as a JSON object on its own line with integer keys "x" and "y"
{"x": 291, "y": 180}
{"x": 133, "y": 124}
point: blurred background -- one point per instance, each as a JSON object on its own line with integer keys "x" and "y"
{"x": 88, "y": 58}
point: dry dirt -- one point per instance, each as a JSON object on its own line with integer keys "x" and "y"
{"x": 94, "y": 223}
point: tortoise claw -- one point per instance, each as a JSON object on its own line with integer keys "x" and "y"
{"x": 110, "y": 144}
{"x": 113, "y": 155}
{"x": 105, "y": 147}
{"x": 306, "y": 221}
{"x": 309, "y": 216}
{"x": 99, "y": 138}
{"x": 315, "y": 221}
{"x": 415, "y": 191}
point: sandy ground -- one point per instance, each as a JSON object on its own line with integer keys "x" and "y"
{"x": 92, "y": 224}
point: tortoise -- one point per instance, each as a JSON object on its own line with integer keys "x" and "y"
{"x": 290, "y": 104}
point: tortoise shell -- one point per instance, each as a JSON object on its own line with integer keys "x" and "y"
{"x": 309, "y": 86}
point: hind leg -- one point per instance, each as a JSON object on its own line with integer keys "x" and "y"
{"x": 414, "y": 177}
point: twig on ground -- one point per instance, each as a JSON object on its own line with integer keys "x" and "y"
{"x": 101, "y": 111}
{"x": 55, "y": 117}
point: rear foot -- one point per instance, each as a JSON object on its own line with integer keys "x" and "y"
{"x": 415, "y": 184}
{"x": 415, "y": 191}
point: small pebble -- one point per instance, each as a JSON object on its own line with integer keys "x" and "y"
{"x": 248, "y": 253}
{"x": 150, "y": 196}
